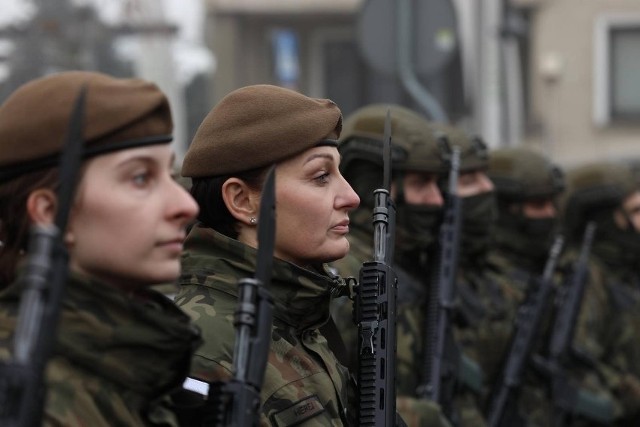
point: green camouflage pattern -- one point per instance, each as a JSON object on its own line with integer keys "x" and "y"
{"x": 301, "y": 369}
{"x": 517, "y": 275}
{"x": 116, "y": 358}
{"x": 623, "y": 276}
{"x": 605, "y": 334}
{"x": 410, "y": 366}
{"x": 482, "y": 328}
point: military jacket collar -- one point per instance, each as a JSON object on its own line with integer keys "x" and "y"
{"x": 301, "y": 296}
{"x": 140, "y": 340}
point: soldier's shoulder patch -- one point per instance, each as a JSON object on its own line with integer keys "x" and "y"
{"x": 299, "y": 412}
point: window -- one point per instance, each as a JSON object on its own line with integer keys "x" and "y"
{"x": 617, "y": 69}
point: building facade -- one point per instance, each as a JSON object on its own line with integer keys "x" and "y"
{"x": 559, "y": 75}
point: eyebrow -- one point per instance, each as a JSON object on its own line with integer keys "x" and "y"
{"x": 319, "y": 155}
{"x": 142, "y": 158}
{"x": 147, "y": 158}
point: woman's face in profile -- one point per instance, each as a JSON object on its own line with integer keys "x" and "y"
{"x": 312, "y": 204}
{"x": 127, "y": 225}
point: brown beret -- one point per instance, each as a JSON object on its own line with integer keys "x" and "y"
{"x": 119, "y": 113}
{"x": 255, "y": 126}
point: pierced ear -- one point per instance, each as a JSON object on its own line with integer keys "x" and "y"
{"x": 41, "y": 206}
{"x": 241, "y": 200}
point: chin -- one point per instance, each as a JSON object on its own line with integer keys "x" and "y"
{"x": 338, "y": 254}
{"x": 164, "y": 275}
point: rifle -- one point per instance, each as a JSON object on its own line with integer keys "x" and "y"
{"x": 442, "y": 292}
{"x": 375, "y": 311}
{"x": 22, "y": 383}
{"x": 568, "y": 399}
{"x": 444, "y": 364}
{"x": 528, "y": 322}
{"x": 237, "y": 402}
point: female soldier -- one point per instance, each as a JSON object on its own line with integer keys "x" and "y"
{"x": 250, "y": 129}
{"x": 120, "y": 346}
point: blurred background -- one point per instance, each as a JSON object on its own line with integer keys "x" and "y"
{"x": 560, "y": 75}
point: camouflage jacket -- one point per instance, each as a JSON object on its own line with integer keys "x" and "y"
{"x": 517, "y": 276}
{"x": 604, "y": 334}
{"x": 623, "y": 280}
{"x": 116, "y": 358}
{"x": 481, "y": 327}
{"x": 304, "y": 383}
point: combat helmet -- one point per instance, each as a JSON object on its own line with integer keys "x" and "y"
{"x": 474, "y": 154}
{"x": 521, "y": 174}
{"x": 415, "y": 144}
{"x": 593, "y": 189}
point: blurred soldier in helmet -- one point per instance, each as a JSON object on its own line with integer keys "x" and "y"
{"x": 483, "y": 319}
{"x": 421, "y": 160}
{"x": 417, "y": 163}
{"x": 527, "y": 187}
{"x": 607, "y": 330}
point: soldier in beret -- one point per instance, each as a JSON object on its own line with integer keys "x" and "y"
{"x": 251, "y": 129}
{"x": 120, "y": 346}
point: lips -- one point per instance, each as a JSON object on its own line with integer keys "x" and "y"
{"x": 173, "y": 243}
{"x": 341, "y": 227}
{"x": 178, "y": 239}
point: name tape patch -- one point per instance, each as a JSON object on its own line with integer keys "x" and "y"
{"x": 298, "y": 412}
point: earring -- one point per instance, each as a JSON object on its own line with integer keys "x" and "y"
{"x": 253, "y": 220}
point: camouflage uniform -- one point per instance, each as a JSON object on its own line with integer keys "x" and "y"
{"x": 520, "y": 251}
{"x": 606, "y": 331}
{"x": 483, "y": 323}
{"x": 419, "y": 146}
{"x": 117, "y": 355}
{"x": 302, "y": 372}
{"x": 483, "y": 318}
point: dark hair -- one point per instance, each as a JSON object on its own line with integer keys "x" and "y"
{"x": 14, "y": 219}
{"x": 213, "y": 211}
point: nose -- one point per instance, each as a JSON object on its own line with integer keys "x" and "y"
{"x": 432, "y": 195}
{"x": 347, "y": 198}
{"x": 549, "y": 209}
{"x": 181, "y": 205}
{"x": 485, "y": 183}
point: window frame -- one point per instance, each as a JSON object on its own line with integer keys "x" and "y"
{"x": 602, "y": 65}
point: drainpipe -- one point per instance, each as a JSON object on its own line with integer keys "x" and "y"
{"x": 406, "y": 73}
